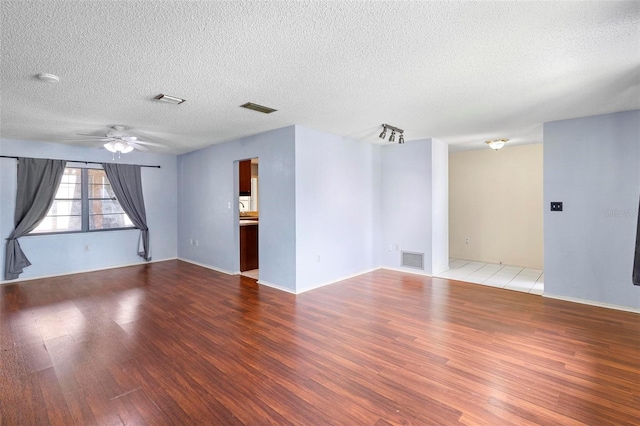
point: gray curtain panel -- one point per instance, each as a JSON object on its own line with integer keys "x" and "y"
{"x": 126, "y": 182}
{"x": 38, "y": 181}
{"x": 636, "y": 262}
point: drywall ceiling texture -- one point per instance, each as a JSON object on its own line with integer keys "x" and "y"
{"x": 460, "y": 72}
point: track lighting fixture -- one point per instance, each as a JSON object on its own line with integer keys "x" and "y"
{"x": 394, "y": 129}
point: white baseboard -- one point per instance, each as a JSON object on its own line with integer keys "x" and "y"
{"x": 276, "y": 286}
{"x": 84, "y": 271}
{"x": 406, "y": 271}
{"x": 213, "y": 268}
{"x": 593, "y": 303}
{"x": 315, "y": 286}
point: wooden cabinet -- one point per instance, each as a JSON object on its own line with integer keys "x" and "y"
{"x": 248, "y": 247}
{"x": 245, "y": 177}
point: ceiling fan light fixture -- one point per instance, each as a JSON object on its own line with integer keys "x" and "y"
{"x": 169, "y": 99}
{"x": 118, "y": 147}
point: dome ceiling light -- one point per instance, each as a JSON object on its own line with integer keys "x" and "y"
{"x": 496, "y": 144}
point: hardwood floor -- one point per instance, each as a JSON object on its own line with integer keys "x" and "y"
{"x": 174, "y": 343}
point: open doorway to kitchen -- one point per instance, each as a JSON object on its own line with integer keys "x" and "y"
{"x": 249, "y": 217}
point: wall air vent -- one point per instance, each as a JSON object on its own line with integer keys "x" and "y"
{"x": 413, "y": 260}
{"x": 259, "y": 108}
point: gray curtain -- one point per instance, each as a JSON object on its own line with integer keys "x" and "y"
{"x": 126, "y": 183}
{"x": 38, "y": 181}
{"x": 636, "y": 262}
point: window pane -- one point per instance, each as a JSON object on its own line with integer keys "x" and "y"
{"x": 64, "y": 215}
{"x": 108, "y": 221}
{"x": 70, "y": 184}
{"x": 99, "y": 186}
{"x": 104, "y": 207}
{"x": 67, "y": 214}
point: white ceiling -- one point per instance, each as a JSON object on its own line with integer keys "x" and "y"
{"x": 461, "y": 72}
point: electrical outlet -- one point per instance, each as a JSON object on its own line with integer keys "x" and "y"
{"x": 390, "y": 247}
{"x": 196, "y": 242}
{"x": 191, "y": 241}
{"x": 556, "y": 206}
{"x": 466, "y": 240}
{"x": 87, "y": 248}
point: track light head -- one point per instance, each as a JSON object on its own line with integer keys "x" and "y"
{"x": 393, "y": 133}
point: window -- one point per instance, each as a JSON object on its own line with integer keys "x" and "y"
{"x": 84, "y": 202}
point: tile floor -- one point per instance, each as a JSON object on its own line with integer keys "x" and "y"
{"x": 515, "y": 278}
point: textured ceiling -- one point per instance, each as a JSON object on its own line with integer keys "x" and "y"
{"x": 461, "y": 72}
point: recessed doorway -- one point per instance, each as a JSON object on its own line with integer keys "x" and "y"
{"x": 249, "y": 217}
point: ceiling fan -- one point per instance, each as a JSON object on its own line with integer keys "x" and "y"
{"x": 116, "y": 140}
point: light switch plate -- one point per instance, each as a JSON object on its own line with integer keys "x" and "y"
{"x": 556, "y": 206}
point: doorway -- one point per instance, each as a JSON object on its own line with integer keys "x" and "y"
{"x": 249, "y": 217}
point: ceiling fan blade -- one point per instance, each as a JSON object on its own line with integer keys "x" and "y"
{"x": 148, "y": 143}
{"x": 86, "y": 140}
{"x": 138, "y": 147}
{"x": 92, "y": 136}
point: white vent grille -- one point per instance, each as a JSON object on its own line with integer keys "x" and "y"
{"x": 413, "y": 260}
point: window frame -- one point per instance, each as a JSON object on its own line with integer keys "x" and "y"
{"x": 85, "y": 213}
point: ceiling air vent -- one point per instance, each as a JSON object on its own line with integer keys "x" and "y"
{"x": 259, "y": 108}
{"x": 413, "y": 260}
{"x": 169, "y": 99}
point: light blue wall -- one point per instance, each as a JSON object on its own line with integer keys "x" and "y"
{"x": 439, "y": 206}
{"x": 208, "y": 185}
{"x": 65, "y": 254}
{"x": 337, "y": 207}
{"x": 406, "y": 203}
{"x": 592, "y": 165}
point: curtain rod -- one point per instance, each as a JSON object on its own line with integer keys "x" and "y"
{"x": 85, "y": 162}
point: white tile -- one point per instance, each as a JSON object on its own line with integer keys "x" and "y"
{"x": 497, "y": 281}
{"x": 455, "y": 264}
{"x": 505, "y": 275}
{"x": 494, "y": 283}
{"x": 480, "y": 275}
{"x": 519, "y": 285}
{"x": 538, "y": 288}
{"x": 496, "y": 275}
{"x": 531, "y": 272}
{"x": 490, "y": 268}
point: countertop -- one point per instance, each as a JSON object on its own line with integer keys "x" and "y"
{"x": 248, "y": 222}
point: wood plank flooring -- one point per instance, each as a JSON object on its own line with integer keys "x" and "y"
{"x": 174, "y": 343}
